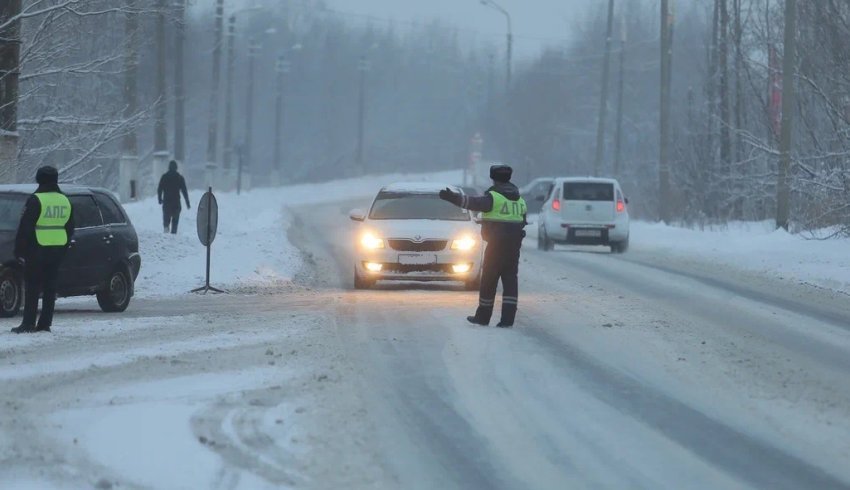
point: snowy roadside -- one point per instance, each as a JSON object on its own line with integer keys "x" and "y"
{"x": 755, "y": 247}
{"x": 251, "y": 249}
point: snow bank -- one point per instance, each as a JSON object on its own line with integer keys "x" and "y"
{"x": 251, "y": 249}
{"x": 755, "y": 247}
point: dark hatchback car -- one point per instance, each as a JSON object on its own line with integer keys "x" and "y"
{"x": 103, "y": 257}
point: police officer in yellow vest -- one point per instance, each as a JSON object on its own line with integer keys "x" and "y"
{"x": 503, "y": 223}
{"x": 46, "y": 228}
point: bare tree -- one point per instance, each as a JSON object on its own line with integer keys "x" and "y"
{"x": 10, "y": 35}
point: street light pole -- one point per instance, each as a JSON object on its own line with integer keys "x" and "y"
{"x": 228, "y": 103}
{"x": 510, "y": 40}
{"x": 179, "y": 83}
{"x": 212, "y": 136}
{"x": 282, "y": 70}
{"x": 253, "y": 48}
{"x": 361, "y": 120}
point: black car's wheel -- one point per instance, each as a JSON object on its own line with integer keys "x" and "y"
{"x": 115, "y": 297}
{"x": 11, "y": 293}
{"x": 361, "y": 282}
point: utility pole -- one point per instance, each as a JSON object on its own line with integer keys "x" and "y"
{"x": 603, "y": 98}
{"x": 510, "y": 60}
{"x": 282, "y": 70}
{"x": 179, "y": 83}
{"x": 160, "y": 155}
{"x": 129, "y": 162}
{"x": 789, "y": 63}
{"x": 228, "y": 103}
{"x": 509, "y": 51}
{"x": 362, "y": 66}
{"x": 10, "y": 60}
{"x": 666, "y": 82}
{"x": 212, "y": 136}
{"x": 253, "y": 49}
{"x": 725, "y": 120}
{"x": 619, "y": 142}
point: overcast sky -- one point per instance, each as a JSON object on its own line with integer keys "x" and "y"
{"x": 536, "y": 22}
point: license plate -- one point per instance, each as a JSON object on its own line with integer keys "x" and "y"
{"x": 417, "y": 259}
{"x": 589, "y": 233}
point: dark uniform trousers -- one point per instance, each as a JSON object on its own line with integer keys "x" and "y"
{"x": 501, "y": 261}
{"x": 41, "y": 272}
{"x": 171, "y": 217}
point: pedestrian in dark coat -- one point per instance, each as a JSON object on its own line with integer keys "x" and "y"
{"x": 503, "y": 222}
{"x": 44, "y": 234}
{"x": 171, "y": 185}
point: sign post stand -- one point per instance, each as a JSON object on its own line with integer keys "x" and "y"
{"x": 207, "y": 229}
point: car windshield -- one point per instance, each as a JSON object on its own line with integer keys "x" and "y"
{"x": 588, "y": 191}
{"x": 402, "y": 205}
{"x": 11, "y": 206}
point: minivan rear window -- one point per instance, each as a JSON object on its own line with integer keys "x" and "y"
{"x": 588, "y": 191}
{"x": 11, "y": 207}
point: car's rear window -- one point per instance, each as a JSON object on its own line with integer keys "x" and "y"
{"x": 588, "y": 191}
{"x": 11, "y": 207}
{"x": 401, "y": 205}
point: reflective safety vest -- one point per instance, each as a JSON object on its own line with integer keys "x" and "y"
{"x": 506, "y": 211}
{"x": 55, "y": 213}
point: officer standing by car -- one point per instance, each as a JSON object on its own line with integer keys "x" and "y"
{"x": 44, "y": 233}
{"x": 171, "y": 185}
{"x": 503, "y": 222}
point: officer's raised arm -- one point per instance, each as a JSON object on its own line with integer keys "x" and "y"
{"x": 472, "y": 203}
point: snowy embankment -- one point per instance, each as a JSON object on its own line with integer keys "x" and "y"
{"x": 251, "y": 249}
{"x": 756, "y": 247}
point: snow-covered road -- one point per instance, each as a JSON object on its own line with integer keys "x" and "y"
{"x": 640, "y": 371}
{"x": 648, "y": 370}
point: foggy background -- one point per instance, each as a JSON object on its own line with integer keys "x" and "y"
{"x": 434, "y": 75}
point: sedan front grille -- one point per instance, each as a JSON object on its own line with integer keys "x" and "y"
{"x": 411, "y": 246}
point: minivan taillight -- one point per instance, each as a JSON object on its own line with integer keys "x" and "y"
{"x": 556, "y": 204}
{"x": 621, "y": 206}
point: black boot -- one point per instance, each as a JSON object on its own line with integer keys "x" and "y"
{"x": 508, "y": 316}
{"x": 24, "y": 329}
{"x": 482, "y": 316}
{"x": 42, "y": 329}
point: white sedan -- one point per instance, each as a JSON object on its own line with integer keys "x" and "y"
{"x": 410, "y": 234}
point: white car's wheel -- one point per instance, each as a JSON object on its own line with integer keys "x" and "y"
{"x": 473, "y": 284}
{"x": 620, "y": 247}
{"x": 544, "y": 243}
{"x": 361, "y": 282}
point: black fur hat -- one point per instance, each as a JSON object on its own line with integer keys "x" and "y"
{"x": 47, "y": 175}
{"x": 501, "y": 173}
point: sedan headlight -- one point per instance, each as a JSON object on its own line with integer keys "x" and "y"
{"x": 464, "y": 244}
{"x": 371, "y": 242}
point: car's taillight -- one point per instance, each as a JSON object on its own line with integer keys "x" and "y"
{"x": 621, "y": 206}
{"x": 556, "y": 205}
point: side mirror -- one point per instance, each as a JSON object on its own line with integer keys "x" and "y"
{"x": 540, "y": 198}
{"x": 357, "y": 215}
